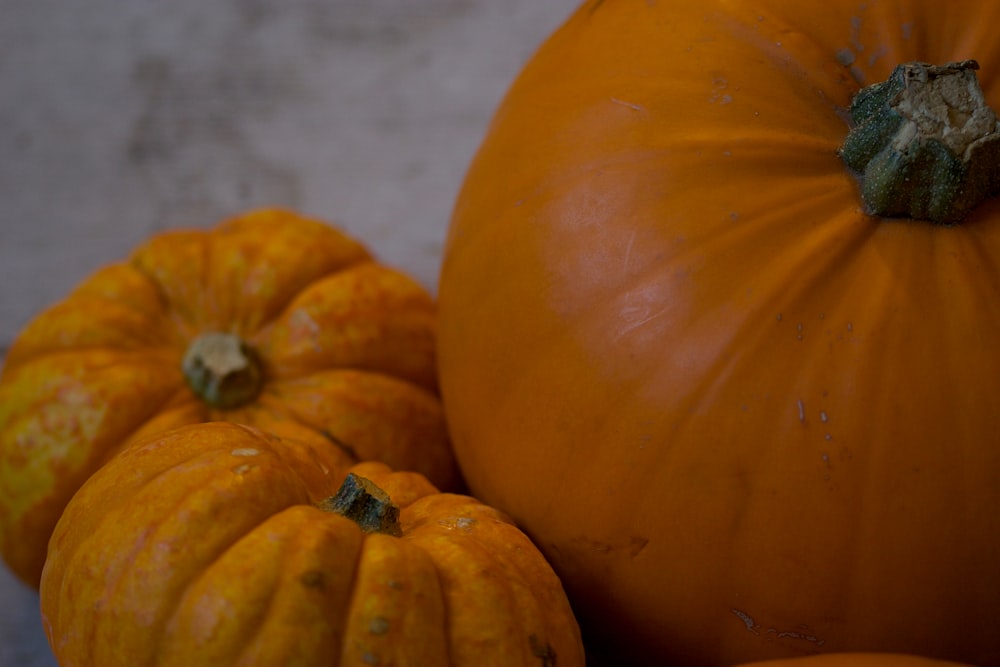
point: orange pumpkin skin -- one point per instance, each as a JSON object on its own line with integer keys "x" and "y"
{"x": 346, "y": 346}
{"x": 743, "y": 419}
{"x": 204, "y": 545}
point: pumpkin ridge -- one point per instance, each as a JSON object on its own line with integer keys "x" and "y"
{"x": 770, "y": 300}
{"x": 413, "y": 574}
{"x": 447, "y": 610}
{"x": 126, "y": 567}
{"x": 220, "y": 240}
{"x": 182, "y": 322}
{"x": 259, "y": 337}
{"x": 896, "y": 35}
{"x": 788, "y": 47}
{"x": 385, "y": 550}
{"x": 473, "y": 558}
{"x": 373, "y": 302}
{"x": 353, "y": 396}
{"x": 976, "y": 248}
{"x": 136, "y": 330}
{"x": 276, "y": 585}
{"x": 274, "y": 589}
{"x": 133, "y": 433}
{"x": 476, "y": 554}
{"x": 289, "y": 559}
{"x": 764, "y": 140}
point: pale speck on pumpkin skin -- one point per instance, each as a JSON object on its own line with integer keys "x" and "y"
{"x": 305, "y": 328}
{"x": 755, "y": 628}
{"x": 461, "y": 522}
{"x": 720, "y": 84}
{"x": 245, "y": 451}
{"x": 797, "y": 635}
{"x": 747, "y": 620}
{"x": 630, "y": 105}
{"x": 628, "y": 253}
{"x": 302, "y": 319}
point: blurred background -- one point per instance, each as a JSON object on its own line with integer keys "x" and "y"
{"x": 120, "y": 118}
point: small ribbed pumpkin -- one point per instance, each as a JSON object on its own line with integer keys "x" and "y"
{"x": 270, "y": 319}
{"x": 218, "y": 544}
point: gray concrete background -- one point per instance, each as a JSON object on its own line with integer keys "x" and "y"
{"x": 119, "y": 118}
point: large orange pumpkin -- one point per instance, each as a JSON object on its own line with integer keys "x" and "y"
{"x": 270, "y": 319}
{"x": 217, "y": 544}
{"x": 742, "y": 417}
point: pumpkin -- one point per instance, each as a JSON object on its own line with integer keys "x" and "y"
{"x": 219, "y": 544}
{"x": 745, "y": 413}
{"x": 856, "y": 660}
{"x": 271, "y": 319}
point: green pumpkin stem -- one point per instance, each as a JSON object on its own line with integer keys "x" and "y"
{"x": 362, "y": 501}
{"x": 925, "y": 143}
{"x": 222, "y": 370}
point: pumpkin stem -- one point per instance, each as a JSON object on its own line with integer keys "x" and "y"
{"x": 925, "y": 143}
{"x": 222, "y": 370}
{"x": 362, "y": 501}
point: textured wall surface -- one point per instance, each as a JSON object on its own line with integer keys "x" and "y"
{"x": 120, "y": 118}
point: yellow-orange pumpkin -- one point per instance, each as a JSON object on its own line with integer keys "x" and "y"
{"x": 743, "y": 418}
{"x": 270, "y": 319}
{"x": 217, "y": 544}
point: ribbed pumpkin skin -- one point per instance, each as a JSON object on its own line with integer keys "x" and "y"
{"x": 347, "y": 346}
{"x": 741, "y": 418}
{"x": 203, "y": 546}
